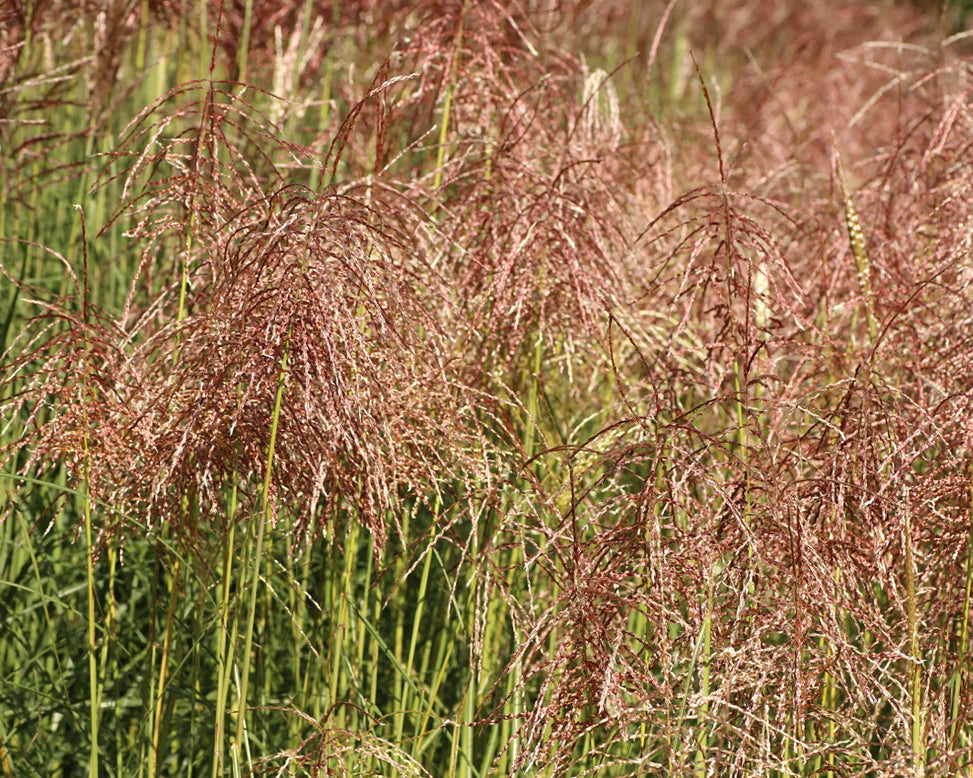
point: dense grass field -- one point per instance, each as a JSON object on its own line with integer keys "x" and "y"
{"x": 474, "y": 388}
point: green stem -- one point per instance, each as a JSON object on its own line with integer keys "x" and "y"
{"x": 959, "y": 675}
{"x": 243, "y": 53}
{"x": 155, "y": 762}
{"x": 94, "y": 693}
{"x": 258, "y": 553}
{"x": 447, "y": 103}
{"x": 226, "y": 642}
{"x": 94, "y": 689}
{"x": 702, "y": 741}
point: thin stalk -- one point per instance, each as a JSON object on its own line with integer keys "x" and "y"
{"x": 533, "y": 408}
{"x": 418, "y": 738}
{"x": 243, "y": 53}
{"x": 420, "y": 602}
{"x": 445, "y": 642}
{"x": 196, "y": 654}
{"x": 469, "y": 702}
{"x": 341, "y": 593}
{"x": 264, "y": 626}
{"x": 915, "y": 664}
{"x": 701, "y": 648}
{"x": 702, "y": 740}
{"x": 94, "y": 691}
{"x": 454, "y": 745}
{"x": 148, "y": 687}
{"x": 226, "y": 642}
{"x": 448, "y": 102}
{"x": 144, "y": 23}
{"x": 156, "y": 751}
{"x": 492, "y": 665}
{"x": 258, "y": 552}
{"x": 829, "y": 694}
{"x": 296, "y": 570}
{"x": 205, "y": 55}
{"x": 398, "y": 694}
{"x": 111, "y": 620}
{"x": 959, "y": 676}
{"x": 461, "y": 749}
{"x": 94, "y": 688}
{"x": 368, "y": 637}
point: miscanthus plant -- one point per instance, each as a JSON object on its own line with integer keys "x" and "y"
{"x": 484, "y": 389}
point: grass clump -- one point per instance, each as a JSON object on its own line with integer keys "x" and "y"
{"x": 436, "y": 389}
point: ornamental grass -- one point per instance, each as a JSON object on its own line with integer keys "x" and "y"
{"x": 485, "y": 388}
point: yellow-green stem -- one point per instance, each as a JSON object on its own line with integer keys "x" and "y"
{"x": 258, "y": 552}
{"x": 960, "y": 673}
{"x": 448, "y": 102}
{"x": 226, "y": 640}
{"x": 154, "y": 764}
{"x": 94, "y": 691}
